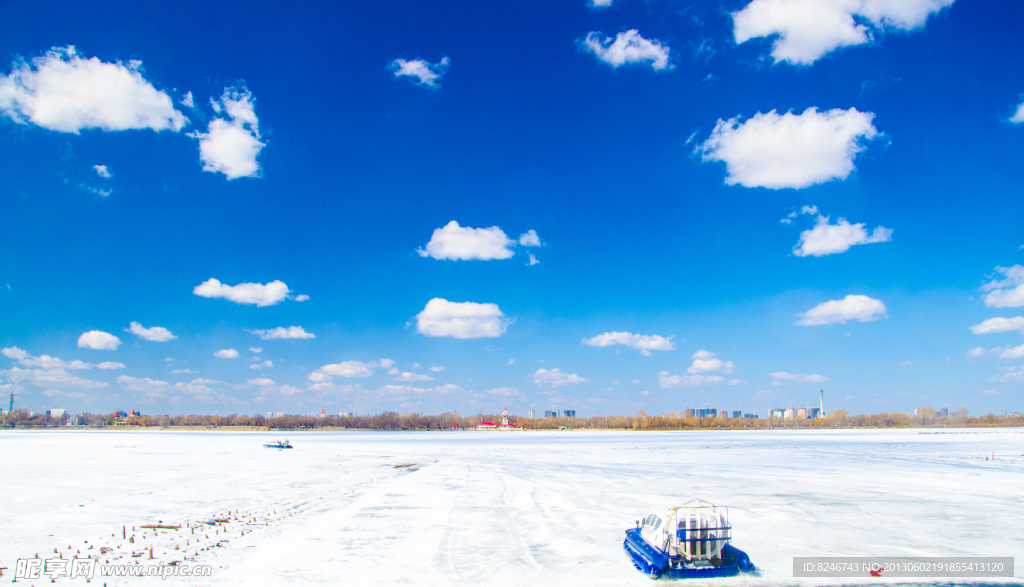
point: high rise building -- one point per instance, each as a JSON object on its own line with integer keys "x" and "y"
{"x": 530, "y": 414}
{"x": 568, "y": 413}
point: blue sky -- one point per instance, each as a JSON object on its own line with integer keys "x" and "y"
{"x": 732, "y": 205}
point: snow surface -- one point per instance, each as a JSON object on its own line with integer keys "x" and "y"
{"x": 502, "y": 508}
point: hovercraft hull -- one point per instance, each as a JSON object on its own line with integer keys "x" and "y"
{"x": 655, "y": 564}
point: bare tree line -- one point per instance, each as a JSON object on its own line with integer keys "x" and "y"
{"x": 926, "y": 418}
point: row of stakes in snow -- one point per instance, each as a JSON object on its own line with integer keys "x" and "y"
{"x": 108, "y": 550}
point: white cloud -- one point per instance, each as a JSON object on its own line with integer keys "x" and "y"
{"x": 230, "y": 145}
{"x": 1018, "y": 116}
{"x": 533, "y": 260}
{"x": 99, "y": 340}
{"x": 706, "y": 361}
{"x": 426, "y": 73}
{"x": 826, "y": 239}
{"x": 504, "y": 391}
{"x": 302, "y": 298}
{"x": 783, "y": 378}
{"x": 56, "y": 377}
{"x": 529, "y": 239}
{"x": 226, "y": 354}
{"x": 188, "y": 101}
{"x": 600, "y": 3}
{"x": 512, "y": 361}
{"x": 1011, "y": 375}
{"x": 789, "y": 150}
{"x": 255, "y": 349}
{"x": 646, "y": 342}
{"x": 197, "y": 386}
{"x": 736, "y": 382}
{"x": 999, "y": 325}
{"x": 627, "y": 47}
{"x": 407, "y": 376}
{"x": 461, "y": 319}
{"x": 669, "y": 381}
{"x": 155, "y": 333}
{"x": 1007, "y": 292}
{"x": 261, "y": 381}
{"x": 177, "y": 371}
{"x": 976, "y": 353}
{"x": 244, "y": 293}
{"x": 463, "y": 243}
{"x": 47, "y": 362}
{"x": 143, "y": 384}
{"x": 556, "y": 378}
{"x": 437, "y": 368}
{"x": 348, "y": 369}
{"x": 809, "y": 29}
{"x": 1009, "y": 352}
{"x": 64, "y": 92}
{"x": 265, "y": 364}
{"x": 283, "y": 333}
{"x": 102, "y": 171}
{"x": 852, "y": 307}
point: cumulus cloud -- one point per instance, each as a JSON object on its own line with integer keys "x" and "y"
{"x": 244, "y": 293}
{"x": 226, "y": 354}
{"x": 302, "y": 298}
{"x": 231, "y": 142}
{"x": 706, "y": 361}
{"x": 178, "y": 371}
{"x": 1011, "y": 375}
{"x": 26, "y": 359}
{"x": 790, "y": 150}
{"x": 422, "y": 72}
{"x": 600, "y": 3}
{"x": 668, "y": 381}
{"x": 529, "y": 239}
{"x": 282, "y": 333}
{"x": 65, "y": 92}
{"x": 807, "y": 30}
{"x": 826, "y": 239}
{"x": 437, "y": 368}
{"x": 461, "y": 319}
{"x": 1008, "y": 352}
{"x": 533, "y": 260}
{"x": 783, "y": 378}
{"x": 155, "y": 333}
{"x": 407, "y": 376}
{"x": 143, "y": 384}
{"x": 852, "y": 307}
{"x": 102, "y": 171}
{"x": 463, "y": 243}
{"x": 268, "y": 364}
{"x": 1018, "y": 116}
{"x": 504, "y": 391}
{"x": 99, "y": 340}
{"x": 1007, "y": 292}
{"x": 260, "y": 381}
{"x": 348, "y": 369}
{"x": 627, "y": 47}
{"x": 1000, "y": 325}
{"x": 641, "y": 342}
{"x": 53, "y": 377}
{"x": 556, "y": 378}
{"x": 976, "y": 353}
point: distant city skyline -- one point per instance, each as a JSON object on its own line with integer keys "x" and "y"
{"x": 613, "y": 206}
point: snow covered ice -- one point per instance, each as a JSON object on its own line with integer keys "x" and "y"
{"x": 523, "y": 508}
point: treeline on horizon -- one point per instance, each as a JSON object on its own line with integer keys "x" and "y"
{"x": 926, "y": 417}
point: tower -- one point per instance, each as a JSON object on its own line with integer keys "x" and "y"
{"x": 10, "y": 408}
{"x": 504, "y": 417}
{"x": 821, "y": 412}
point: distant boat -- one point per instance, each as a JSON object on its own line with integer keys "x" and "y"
{"x": 277, "y": 444}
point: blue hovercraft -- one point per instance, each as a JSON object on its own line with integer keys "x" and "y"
{"x": 279, "y": 444}
{"x": 686, "y": 542}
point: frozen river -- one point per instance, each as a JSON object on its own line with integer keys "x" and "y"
{"x": 532, "y": 509}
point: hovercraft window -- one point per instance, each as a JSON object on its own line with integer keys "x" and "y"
{"x": 658, "y": 524}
